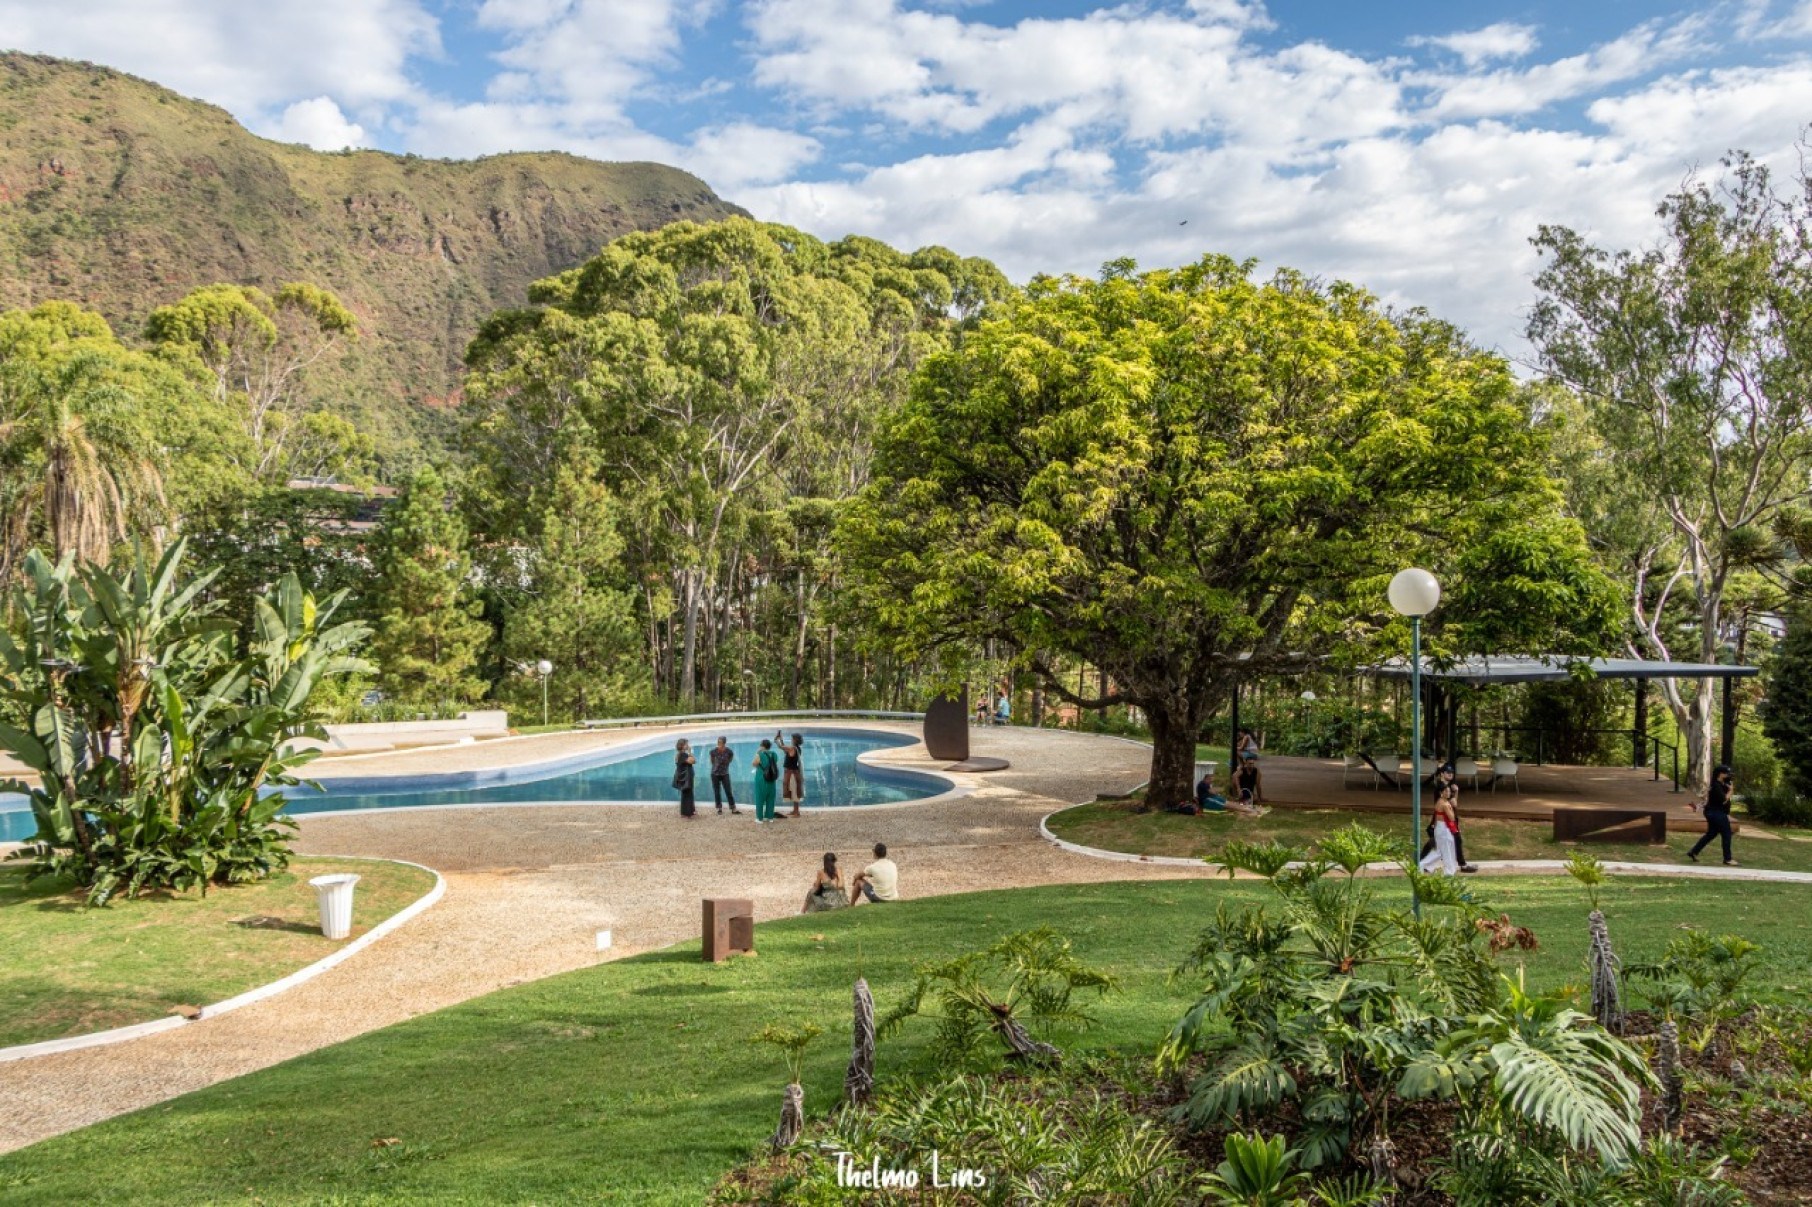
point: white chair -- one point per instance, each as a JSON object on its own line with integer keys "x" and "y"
{"x": 1426, "y": 767}
{"x": 1505, "y": 769}
{"x": 1354, "y": 763}
{"x": 1467, "y": 769}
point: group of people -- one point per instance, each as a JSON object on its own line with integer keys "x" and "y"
{"x": 785, "y": 767}
{"x": 998, "y": 713}
{"x": 878, "y": 882}
{"x": 1444, "y": 847}
{"x": 1248, "y": 784}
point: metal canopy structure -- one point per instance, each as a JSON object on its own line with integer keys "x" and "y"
{"x": 1489, "y": 669}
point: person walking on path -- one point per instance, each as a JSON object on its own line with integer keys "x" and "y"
{"x": 1447, "y": 788}
{"x": 721, "y": 757}
{"x": 792, "y": 787}
{"x": 1716, "y": 805}
{"x": 684, "y": 775}
{"x": 767, "y": 773}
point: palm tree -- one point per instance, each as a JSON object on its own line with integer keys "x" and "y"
{"x": 92, "y": 479}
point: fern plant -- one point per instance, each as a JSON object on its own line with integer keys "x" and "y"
{"x": 1699, "y": 976}
{"x": 1027, "y": 982}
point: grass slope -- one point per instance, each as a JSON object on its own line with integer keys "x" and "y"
{"x": 1119, "y": 826}
{"x": 637, "y": 1081}
{"x": 123, "y": 195}
{"x": 71, "y": 970}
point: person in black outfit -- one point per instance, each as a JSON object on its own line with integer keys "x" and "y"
{"x": 1716, "y": 804}
{"x": 683, "y": 773}
{"x": 721, "y": 757}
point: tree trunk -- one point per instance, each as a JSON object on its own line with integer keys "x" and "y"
{"x": 792, "y": 1118}
{"x": 1020, "y": 1044}
{"x": 688, "y": 686}
{"x": 1173, "y": 734}
{"x": 859, "y": 1079}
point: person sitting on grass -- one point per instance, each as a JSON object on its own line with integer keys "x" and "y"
{"x": 879, "y": 881}
{"x": 827, "y": 888}
{"x": 1207, "y": 800}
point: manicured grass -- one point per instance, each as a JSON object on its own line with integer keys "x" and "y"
{"x": 70, "y": 969}
{"x": 638, "y": 1081}
{"x": 1118, "y": 826}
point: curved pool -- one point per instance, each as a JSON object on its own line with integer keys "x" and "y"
{"x": 638, "y": 772}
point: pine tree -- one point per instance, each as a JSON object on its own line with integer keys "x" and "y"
{"x": 428, "y": 632}
{"x": 1787, "y": 716}
{"x": 576, "y": 612}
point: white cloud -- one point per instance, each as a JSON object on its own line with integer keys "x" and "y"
{"x": 1514, "y": 91}
{"x": 252, "y": 59}
{"x": 318, "y": 123}
{"x": 1501, "y": 40}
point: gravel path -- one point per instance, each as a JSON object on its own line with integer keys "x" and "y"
{"x": 528, "y": 887}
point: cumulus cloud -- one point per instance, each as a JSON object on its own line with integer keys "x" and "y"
{"x": 319, "y": 123}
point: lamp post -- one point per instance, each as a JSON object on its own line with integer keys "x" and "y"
{"x": 544, "y": 668}
{"x": 1414, "y": 593}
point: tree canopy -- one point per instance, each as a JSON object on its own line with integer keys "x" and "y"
{"x": 1188, "y": 477}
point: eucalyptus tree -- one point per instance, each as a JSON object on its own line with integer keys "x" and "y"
{"x": 1694, "y": 360}
{"x": 1189, "y": 478}
{"x": 696, "y": 364}
{"x": 256, "y": 348}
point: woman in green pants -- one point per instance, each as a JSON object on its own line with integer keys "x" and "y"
{"x": 767, "y": 772}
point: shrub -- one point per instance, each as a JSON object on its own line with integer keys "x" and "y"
{"x": 1782, "y": 806}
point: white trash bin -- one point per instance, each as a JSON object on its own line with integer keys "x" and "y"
{"x": 334, "y": 894}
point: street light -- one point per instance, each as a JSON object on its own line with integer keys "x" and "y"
{"x": 1415, "y": 593}
{"x": 544, "y": 668}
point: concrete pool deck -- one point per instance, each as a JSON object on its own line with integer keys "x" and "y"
{"x": 528, "y": 887}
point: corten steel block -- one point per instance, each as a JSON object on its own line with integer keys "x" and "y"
{"x": 1606, "y": 824}
{"x": 729, "y": 927}
{"x": 947, "y": 727}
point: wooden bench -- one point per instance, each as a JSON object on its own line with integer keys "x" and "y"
{"x": 1608, "y": 823}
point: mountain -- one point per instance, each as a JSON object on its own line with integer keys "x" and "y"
{"x": 123, "y": 195}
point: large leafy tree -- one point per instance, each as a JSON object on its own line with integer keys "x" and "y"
{"x": 98, "y": 442}
{"x": 1189, "y": 477}
{"x": 1693, "y": 359}
{"x": 694, "y": 364}
{"x": 256, "y": 349}
{"x": 429, "y": 634}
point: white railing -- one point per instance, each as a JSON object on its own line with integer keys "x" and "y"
{"x": 687, "y": 718}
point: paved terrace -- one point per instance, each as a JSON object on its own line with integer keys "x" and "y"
{"x": 528, "y": 887}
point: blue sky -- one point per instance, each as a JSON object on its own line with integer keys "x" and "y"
{"x": 1413, "y": 147}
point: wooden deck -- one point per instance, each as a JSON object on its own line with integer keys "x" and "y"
{"x": 1294, "y": 783}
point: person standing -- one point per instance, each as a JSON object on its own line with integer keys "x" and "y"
{"x": 721, "y": 756}
{"x": 684, "y": 774}
{"x": 1716, "y": 805}
{"x": 767, "y": 773}
{"x": 1446, "y": 829}
{"x": 792, "y": 786}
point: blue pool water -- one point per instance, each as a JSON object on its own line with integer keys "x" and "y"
{"x": 833, "y": 779}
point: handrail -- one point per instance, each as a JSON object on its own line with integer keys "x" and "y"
{"x": 682, "y": 718}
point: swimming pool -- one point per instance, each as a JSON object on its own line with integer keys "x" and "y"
{"x": 637, "y": 772}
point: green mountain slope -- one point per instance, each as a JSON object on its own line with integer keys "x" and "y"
{"x": 123, "y": 195}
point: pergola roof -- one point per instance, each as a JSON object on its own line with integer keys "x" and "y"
{"x": 1483, "y": 670}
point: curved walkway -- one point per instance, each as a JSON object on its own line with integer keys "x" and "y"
{"x": 528, "y": 888}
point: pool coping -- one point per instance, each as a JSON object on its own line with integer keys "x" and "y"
{"x": 308, "y": 972}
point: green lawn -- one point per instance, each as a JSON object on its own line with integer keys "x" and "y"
{"x": 1118, "y": 826}
{"x": 637, "y": 1081}
{"x": 70, "y": 969}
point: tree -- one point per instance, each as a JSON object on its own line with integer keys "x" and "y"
{"x": 1787, "y": 716}
{"x": 256, "y": 348}
{"x": 1186, "y": 478}
{"x": 97, "y": 442}
{"x": 428, "y": 631}
{"x": 695, "y": 364}
{"x": 1692, "y": 359}
{"x": 155, "y": 735}
{"x": 574, "y": 608}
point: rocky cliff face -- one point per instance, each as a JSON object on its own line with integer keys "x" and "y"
{"x": 122, "y": 195}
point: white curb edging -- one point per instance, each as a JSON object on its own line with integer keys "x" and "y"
{"x": 95, "y": 1039}
{"x": 1686, "y": 871}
